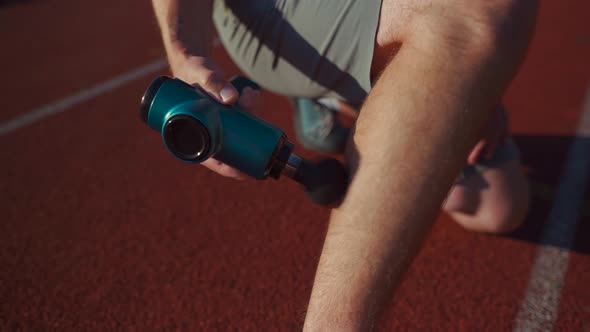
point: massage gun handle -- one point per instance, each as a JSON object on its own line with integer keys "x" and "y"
{"x": 325, "y": 181}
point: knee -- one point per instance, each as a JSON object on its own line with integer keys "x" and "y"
{"x": 494, "y": 212}
{"x": 501, "y": 220}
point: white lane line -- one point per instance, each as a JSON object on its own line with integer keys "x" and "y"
{"x": 540, "y": 306}
{"x": 84, "y": 95}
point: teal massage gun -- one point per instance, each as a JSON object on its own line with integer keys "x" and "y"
{"x": 195, "y": 127}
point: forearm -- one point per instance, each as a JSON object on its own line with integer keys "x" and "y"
{"x": 186, "y": 26}
{"x": 412, "y": 137}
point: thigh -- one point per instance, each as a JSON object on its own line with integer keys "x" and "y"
{"x": 302, "y": 48}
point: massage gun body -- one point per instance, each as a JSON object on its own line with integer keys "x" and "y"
{"x": 195, "y": 127}
{"x": 235, "y": 137}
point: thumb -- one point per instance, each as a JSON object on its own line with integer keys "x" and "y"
{"x": 216, "y": 86}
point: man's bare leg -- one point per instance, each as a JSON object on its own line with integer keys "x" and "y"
{"x": 494, "y": 200}
{"x": 427, "y": 108}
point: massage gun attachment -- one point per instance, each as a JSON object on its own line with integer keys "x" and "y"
{"x": 195, "y": 127}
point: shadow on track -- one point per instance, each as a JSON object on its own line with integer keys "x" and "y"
{"x": 544, "y": 158}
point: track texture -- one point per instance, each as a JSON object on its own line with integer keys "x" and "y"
{"x": 103, "y": 230}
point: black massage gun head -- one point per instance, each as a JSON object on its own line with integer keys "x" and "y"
{"x": 325, "y": 181}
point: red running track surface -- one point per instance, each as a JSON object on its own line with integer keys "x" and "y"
{"x": 103, "y": 230}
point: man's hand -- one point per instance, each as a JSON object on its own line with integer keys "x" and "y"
{"x": 186, "y": 28}
{"x": 202, "y": 72}
{"x": 495, "y": 134}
